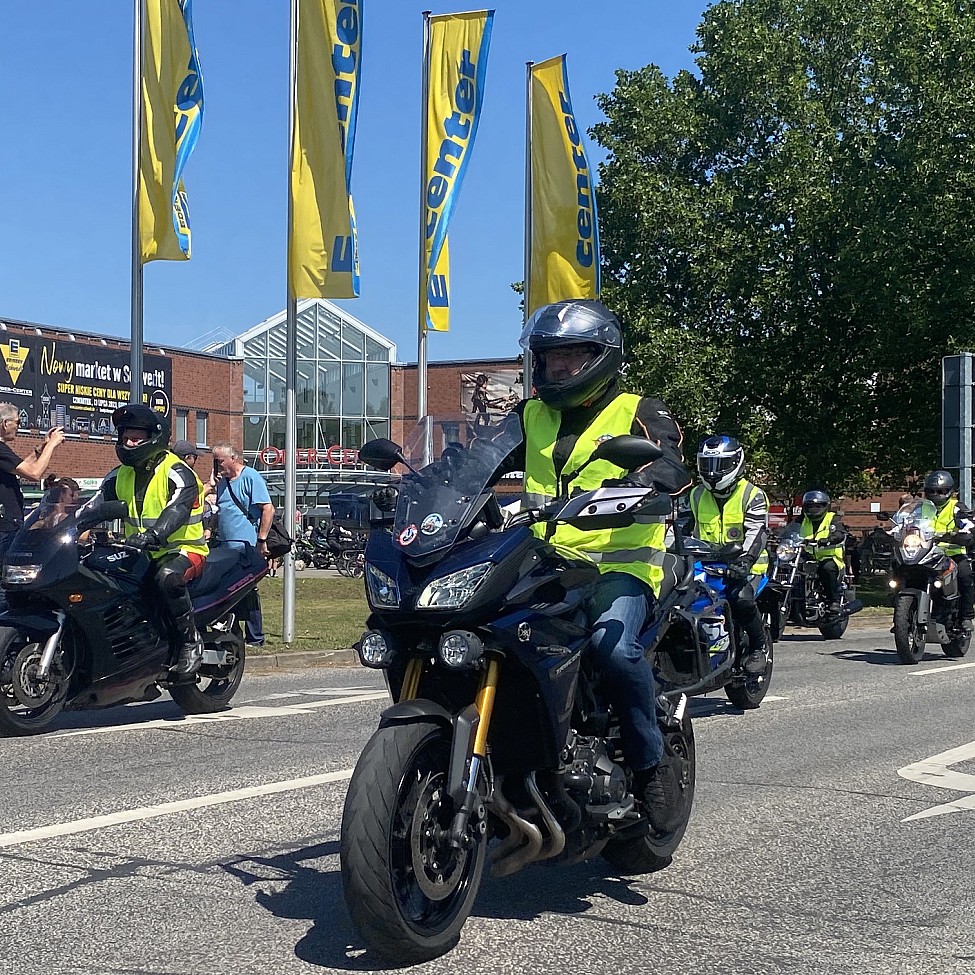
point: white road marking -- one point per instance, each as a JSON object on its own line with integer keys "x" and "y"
{"x": 242, "y": 713}
{"x": 940, "y": 670}
{"x": 936, "y": 771}
{"x": 168, "y": 808}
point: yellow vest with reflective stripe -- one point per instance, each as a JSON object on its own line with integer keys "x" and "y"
{"x": 189, "y": 538}
{"x": 944, "y": 524}
{"x": 727, "y": 524}
{"x": 808, "y": 531}
{"x": 637, "y": 549}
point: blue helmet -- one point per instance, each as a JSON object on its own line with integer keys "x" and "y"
{"x": 720, "y": 463}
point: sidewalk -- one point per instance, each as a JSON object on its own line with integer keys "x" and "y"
{"x": 265, "y": 663}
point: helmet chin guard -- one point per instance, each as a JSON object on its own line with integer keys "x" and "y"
{"x": 138, "y": 416}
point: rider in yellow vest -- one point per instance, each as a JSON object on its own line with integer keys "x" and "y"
{"x": 820, "y": 523}
{"x": 728, "y": 508}
{"x": 954, "y": 521}
{"x": 165, "y": 518}
{"x": 577, "y": 355}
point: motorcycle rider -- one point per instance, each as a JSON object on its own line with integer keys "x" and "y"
{"x": 955, "y": 521}
{"x": 577, "y": 355}
{"x": 165, "y": 518}
{"x": 728, "y": 508}
{"x": 821, "y": 524}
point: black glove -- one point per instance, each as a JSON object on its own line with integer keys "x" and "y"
{"x": 143, "y": 540}
{"x": 385, "y": 498}
{"x": 630, "y": 480}
{"x": 738, "y": 571}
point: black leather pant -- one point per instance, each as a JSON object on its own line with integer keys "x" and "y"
{"x": 829, "y": 578}
{"x": 170, "y": 584}
{"x": 966, "y": 586}
{"x": 741, "y": 598}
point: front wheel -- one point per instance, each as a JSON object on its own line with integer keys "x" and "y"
{"x": 213, "y": 686}
{"x": 908, "y": 633}
{"x": 833, "y": 631}
{"x": 408, "y": 891}
{"x": 645, "y": 854}
{"x": 29, "y": 703}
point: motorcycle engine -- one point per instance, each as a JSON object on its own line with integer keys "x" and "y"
{"x": 592, "y": 772}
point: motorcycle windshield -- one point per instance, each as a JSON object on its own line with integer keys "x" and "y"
{"x": 915, "y": 518}
{"x": 434, "y": 504}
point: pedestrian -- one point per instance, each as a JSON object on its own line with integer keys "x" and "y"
{"x": 186, "y": 451}
{"x": 244, "y": 516}
{"x": 12, "y": 467}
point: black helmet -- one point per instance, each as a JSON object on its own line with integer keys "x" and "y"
{"x": 721, "y": 463}
{"x": 140, "y": 417}
{"x": 938, "y": 486}
{"x": 562, "y": 325}
{"x": 815, "y": 504}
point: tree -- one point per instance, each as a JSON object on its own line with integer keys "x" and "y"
{"x": 789, "y": 233}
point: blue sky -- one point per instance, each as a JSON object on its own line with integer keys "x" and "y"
{"x": 65, "y": 167}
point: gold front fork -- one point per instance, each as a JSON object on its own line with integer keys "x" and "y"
{"x": 411, "y": 679}
{"x": 485, "y": 704}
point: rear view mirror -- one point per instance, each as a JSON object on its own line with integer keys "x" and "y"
{"x": 382, "y": 454}
{"x": 627, "y": 451}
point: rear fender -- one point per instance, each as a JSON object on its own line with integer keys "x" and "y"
{"x": 462, "y": 727}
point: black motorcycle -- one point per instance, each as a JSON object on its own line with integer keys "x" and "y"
{"x": 924, "y": 580}
{"x": 501, "y": 734}
{"x": 79, "y": 631}
{"x": 794, "y": 579}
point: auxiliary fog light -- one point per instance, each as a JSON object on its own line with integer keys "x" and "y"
{"x": 460, "y": 648}
{"x": 892, "y": 583}
{"x": 374, "y": 649}
{"x": 938, "y": 583}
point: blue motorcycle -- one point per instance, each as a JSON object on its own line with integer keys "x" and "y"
{"x": 729, "y": 643}
{"x": 500, "y": 733}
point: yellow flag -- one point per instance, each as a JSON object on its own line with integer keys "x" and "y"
{"x": 564, "y": 233}
{"x": 172, "y": 115}
{"x": 323, "y": 255}
{"x": 456, "y": 71}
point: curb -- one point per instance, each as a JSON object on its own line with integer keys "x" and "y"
{"x": 268, "y": 662}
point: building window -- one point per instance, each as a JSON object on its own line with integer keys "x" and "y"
{"x": 201, "y": 429}
{"x": 182, "y": 416}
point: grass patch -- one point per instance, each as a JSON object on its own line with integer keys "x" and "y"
{"x": 330, "y": 614}
{"x": 875, "y": 593}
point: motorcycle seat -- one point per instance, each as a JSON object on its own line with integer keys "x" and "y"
{"x": 222, "y": 563}
{"x": 675, "y": 569}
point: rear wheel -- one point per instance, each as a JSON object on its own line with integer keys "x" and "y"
{"x": 908, "y": 633}
{"x": 29, "y": 703}
{"x": 959, "y": 644}
{"x": 407, "y": 889}
{"x": 214, "y": 685}
{"x": 833, "y": 631}
{"x": 645, "y": 854}
{"x": 746, "y": 692}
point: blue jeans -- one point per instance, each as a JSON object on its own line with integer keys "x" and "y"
{"x": 618, "y": 609}
{"x": 250, "y": 608}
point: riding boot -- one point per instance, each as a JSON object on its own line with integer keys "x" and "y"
{"x": 189, "y": 653}
{"x": 756, "y": 660}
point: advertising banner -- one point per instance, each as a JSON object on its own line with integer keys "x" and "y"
{"x": 57, "y": 383}
{"x": 485, "y": 396}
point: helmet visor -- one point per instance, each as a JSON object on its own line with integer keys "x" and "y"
{"x": 814, "y": 509}
{"x": 571, "y": 323}
{"x": 711, "y": 466}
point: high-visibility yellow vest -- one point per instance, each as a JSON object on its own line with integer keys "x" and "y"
{"x": 944, "y": 524}
{"x": 637, "y": 549}
{"x": 809, "y": 531}
{"x": 189, "y": 538}
{"x": 721, "y": 525}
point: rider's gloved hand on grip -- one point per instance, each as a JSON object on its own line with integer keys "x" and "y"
{"x": 143, "y": 540}
{"x": 738, "y": 571}
{"x": 630, "y": 480}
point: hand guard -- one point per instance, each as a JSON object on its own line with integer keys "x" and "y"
{"x": 143, "y": 540}
{"x": 630, "y": 480}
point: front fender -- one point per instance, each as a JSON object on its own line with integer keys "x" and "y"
{"x": 462, "y": 726}
{"x": 29, "y": 622}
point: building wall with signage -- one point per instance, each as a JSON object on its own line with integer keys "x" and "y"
{"x": 61, "y": 378}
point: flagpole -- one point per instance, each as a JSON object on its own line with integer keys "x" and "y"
{"x": 421, "y": 354}
{"x": 526, "y": 362}
{"x": 291, "y": 361}
{"x": 135, "y": 342}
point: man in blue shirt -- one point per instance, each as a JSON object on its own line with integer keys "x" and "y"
{"x": 245, "y": 514}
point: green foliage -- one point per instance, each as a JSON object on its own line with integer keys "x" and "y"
{"x": 789, "y": 233}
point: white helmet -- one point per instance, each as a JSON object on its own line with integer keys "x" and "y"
{"x": 720, "y": 463}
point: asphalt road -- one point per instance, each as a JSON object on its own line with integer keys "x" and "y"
{"x": 135, "y": 841}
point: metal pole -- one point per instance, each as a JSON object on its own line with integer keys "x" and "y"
{"x": 526, "y": 375}
{"x": 291, "y": 361}
{"x": 135, "y": 341}
{"x": 965, "y": 431}
{"x": 421, "y": 351}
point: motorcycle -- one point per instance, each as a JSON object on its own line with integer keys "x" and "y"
{"x": 501, "y": 733}
{"x": 79, "y": 631}
{"x": 743, "y": 689}
{"x": 925, "y": 586}
{"x": 801, "y": 599}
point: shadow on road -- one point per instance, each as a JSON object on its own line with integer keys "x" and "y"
{"x": 312, "y": 890}
{"x": 879, "y": 657}
{"x": 119, "y": 717}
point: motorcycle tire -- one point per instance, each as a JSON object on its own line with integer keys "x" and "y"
{"x": 908, "y": 634}
{"x": 833, "y": 631}
{"x": 957, "y": 647}
{"x": 214, "y": 686}
{"x": 407, "y": 891}
{"x": 28, "y": 706}
{"x": 748, "y": 691}
{"x": 647, "y": 854}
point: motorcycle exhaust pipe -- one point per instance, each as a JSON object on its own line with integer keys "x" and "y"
{"x": 556, "y": 844}
{"x": 521, "y": 846}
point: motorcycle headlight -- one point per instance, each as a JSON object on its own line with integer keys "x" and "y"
{"x": 374, "y": 649}
{"x": 460, "y": 648}
{"x": 451, "y": 592}
{"x": 784, "y": 553}
{"x": 912, "y": 546}
{"x": 382, "y": 590}
{"x": 18, "y": 575}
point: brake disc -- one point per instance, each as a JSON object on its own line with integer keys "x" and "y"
{"x": 31, "y": 690}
